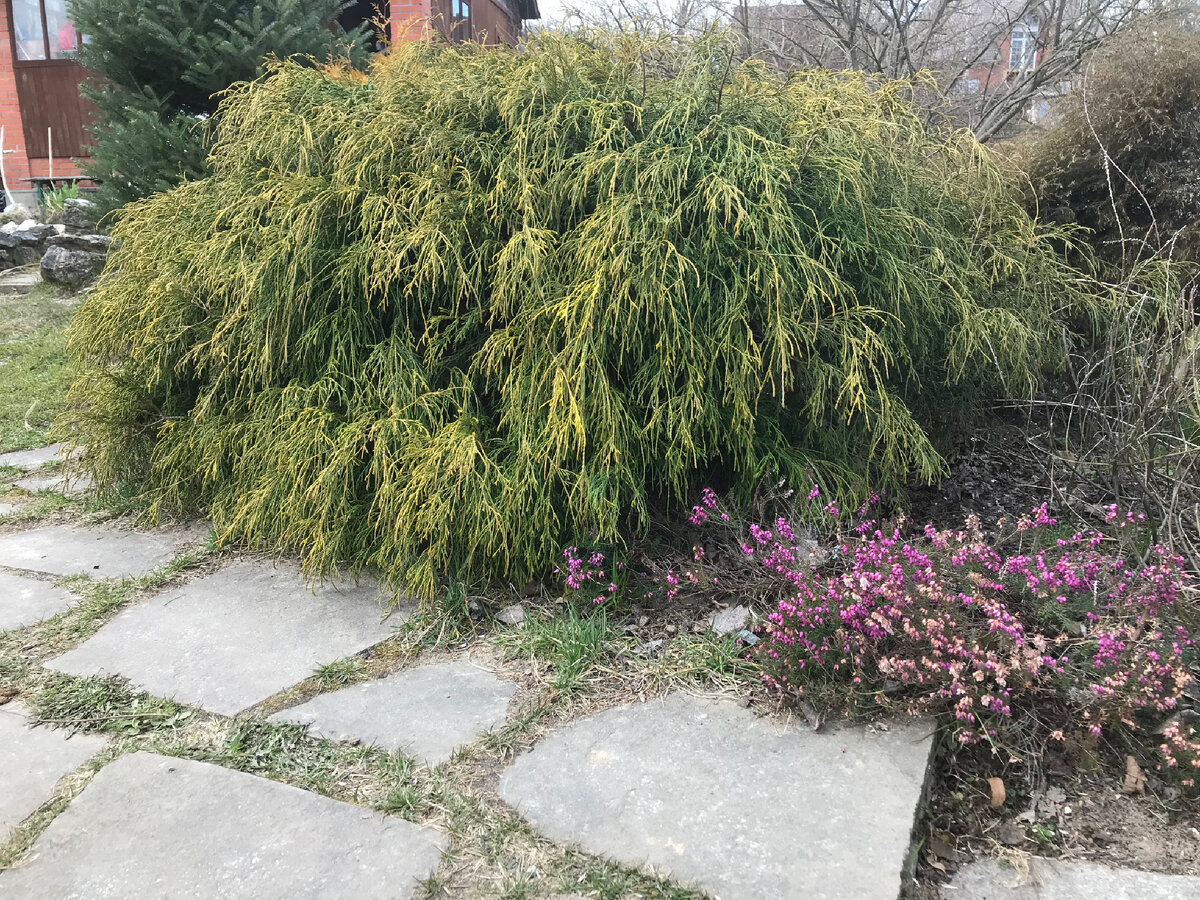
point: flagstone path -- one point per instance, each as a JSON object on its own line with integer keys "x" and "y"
{"x": 732, "y": 802}
{"x": 29, "y": 600}
{"x": 1053, "y": 879}
{"x": 726, "y": 802}
{"x": 99, "y": 552}
{"x": 234, "y": 638}
{"x": 32, "y": 760}
{"x": 427, "y": 711}
{"x": 151, "y": 826}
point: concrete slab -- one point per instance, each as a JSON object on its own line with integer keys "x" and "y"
{"x": 32, "y": 459}
{"x": 427, "y": 711}
{"x": 230, "y": 640}
{"x": 70, "y": 485}
{"x": 741, "y": 806}
{"x": 1052, "y": 879}
{"x": 20, "y": 283}
{"x": 32, "y": 760}
{"x": 24, "y": 601}
{"x": 154, "y": 827}
{"x": 100, "y": 552}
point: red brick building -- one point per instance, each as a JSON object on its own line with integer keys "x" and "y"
{"x": 41, "y": 113}
{"x": 43, "y": 118}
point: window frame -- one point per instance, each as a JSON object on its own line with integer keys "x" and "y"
{"x": 48, "y": 60}
{"x": 1027, "y": 28}
{"x": 462, "y": 28}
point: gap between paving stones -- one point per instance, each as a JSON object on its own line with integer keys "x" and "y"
{"x": 486, "y": 837}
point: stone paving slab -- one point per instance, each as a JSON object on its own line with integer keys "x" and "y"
{"x": 68, "y": 485}
{"x": 24, "y": 601}
{"x": 427, "y": 711}
{"x": 1053, "y": 879}
{"x": 99, "y": 552}
{"x": 158, "y": 828}
{"x": 32, "y": 459}
{"x": 32, "y": 760}
{"x": 231, "y": 639}
{"x": 743, "y": 807}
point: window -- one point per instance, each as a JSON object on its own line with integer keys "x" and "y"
{"x": 64, "y": 41}
{"x": 1022, "y": 49}
{"x": 460, "y": 19}
{"x": 42, "y": 29}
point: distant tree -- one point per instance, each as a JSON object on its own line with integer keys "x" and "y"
{"x": 158, "y": 69}
{"x": 1123, "y": 156}
{"x": 1025, "y": 49}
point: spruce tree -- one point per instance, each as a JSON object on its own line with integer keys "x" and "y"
{"x": 158, "y": 69}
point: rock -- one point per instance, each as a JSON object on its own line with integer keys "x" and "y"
{"x": 8, "y": 227}
{"x": 742, "y": 807}
{"x": 32, "y": 459}
{"x": 35, "y": 235}
{"x": 511, "y": 615}
{"x": 427, "y": 711}
{"x": 31, "y": 762}
{"x": 100, "y": 552}
{"x": 232, "y": 639}
{"x": 85, "y": 243}
{"x": 72, "y": 268}
{"x": 9, "y": 240}
{"x": 79, "y": 214}
{"x": 27, "y": 224}
{"x": 157, "y": 827}
{"x": 729, "y": 621}
{"x": 24, "y": 601}
{"x": 1052, "y": 879}
{"x": 23, "y": 255}
{"x": 15, "y": 213}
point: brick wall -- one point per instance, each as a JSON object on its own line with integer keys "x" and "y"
{"x": 17, "y": 165}
{"x": 410, "y": 19}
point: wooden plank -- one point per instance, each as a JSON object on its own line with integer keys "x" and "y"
{"x": 48, "y": 92}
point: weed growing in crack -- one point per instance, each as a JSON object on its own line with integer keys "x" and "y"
{"x": 336, "y": 674}
{"x": 105, "y": 705}
{"x": 572, "y": 644}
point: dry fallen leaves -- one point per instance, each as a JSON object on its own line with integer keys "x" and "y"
{"x": 998, "y": 793}
{"x": 1135, "y": 779}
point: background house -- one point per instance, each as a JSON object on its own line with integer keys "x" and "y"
{"x": 41, "y": 112}
{"x": 44, "y": 119}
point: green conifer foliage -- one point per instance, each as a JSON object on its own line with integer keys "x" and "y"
{"x": 453, "y": 316}
{"x": 158, "y": 68}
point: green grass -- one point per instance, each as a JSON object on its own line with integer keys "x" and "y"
{"x": 336, "y": 674}
{"x": 34, "y": 374}
{"x": 571, "y": 643}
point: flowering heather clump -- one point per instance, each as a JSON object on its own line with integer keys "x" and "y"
{"x": 973, "y": 627}
{"x": 585, "y": 574}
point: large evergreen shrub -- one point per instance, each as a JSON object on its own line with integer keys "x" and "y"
{"x": 448, "y": 317}
{"x": 158, "y": 69}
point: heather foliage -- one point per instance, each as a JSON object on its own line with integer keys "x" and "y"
{"x": 450, "y": 317}
{"x": 1027, "y": 623}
